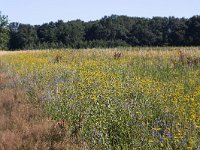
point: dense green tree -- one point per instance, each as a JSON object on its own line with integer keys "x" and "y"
{"x": 47, "y": 33}
{"x": 4, "y": 31}
{"x": 140, "y": 33}
{"x": 25, "y": 37}
{"x": 22, "y": 36}
{"x": 110, "y": 31}
{"x": 158, "y": 27}
{"x": 177, "y": 31}
{"x": 13, "y": 27}
{"x": 193, "y": 31}
{"x": 72, "y": 34}
{"x": 107, "y": 29}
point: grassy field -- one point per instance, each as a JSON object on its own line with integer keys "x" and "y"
{"x": 134, "y": 98}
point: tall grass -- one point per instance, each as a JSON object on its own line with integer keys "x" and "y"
{"x": 117, "y": 98}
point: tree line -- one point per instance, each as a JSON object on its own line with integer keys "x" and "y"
{"x": 109, "y": 31}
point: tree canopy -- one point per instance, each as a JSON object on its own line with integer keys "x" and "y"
{"x": 4, "y": 32}
{"x": 109, "y": 31}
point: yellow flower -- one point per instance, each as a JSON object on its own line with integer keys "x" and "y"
{"x": 161, "y": 145}
{"x": 150, "y": 141}
{"x": 156, "y": 129}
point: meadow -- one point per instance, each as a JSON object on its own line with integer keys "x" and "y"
{"x": 124, "y": 98}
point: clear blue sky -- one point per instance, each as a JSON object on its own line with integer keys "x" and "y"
{"x": 42, "y": 11}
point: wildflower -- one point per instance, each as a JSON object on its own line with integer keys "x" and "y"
{"x": 161, "y": 140}
{"x": 156, "y": 129}
{"x": 156, "y": 132}
{"x": 197, "y": 127}
{"x": 150, "y": 141}
{"x": 175, "y": 137}
{"x": 161, "y": 145}
{"x": 168, "y": 134}
{"x": 183, "y": 142}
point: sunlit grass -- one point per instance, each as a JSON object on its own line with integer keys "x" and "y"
{"x": 148, "y": 98}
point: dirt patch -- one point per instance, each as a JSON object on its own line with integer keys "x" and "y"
{"x": 24, "y": 126}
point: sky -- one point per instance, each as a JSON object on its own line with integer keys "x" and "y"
{"x": 43, "y": 11}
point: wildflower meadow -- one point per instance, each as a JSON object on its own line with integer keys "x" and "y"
{"x": 116, "y": 99}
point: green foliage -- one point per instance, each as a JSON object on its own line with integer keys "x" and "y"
{"x": 25, "y": 38}
{"x": 4, "y": 32}
{"x": 110, "y": 31}
{"x": 193, "y": 30}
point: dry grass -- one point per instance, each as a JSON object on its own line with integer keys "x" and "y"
{"x": 17, "y": 52}
{"x": 23, "y": 126}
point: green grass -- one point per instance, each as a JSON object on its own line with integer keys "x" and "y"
{"x": 141, "y": 100}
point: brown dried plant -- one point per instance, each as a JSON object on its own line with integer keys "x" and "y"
{"x": 117, "y": 55}
{"x": 185, "y": 59}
